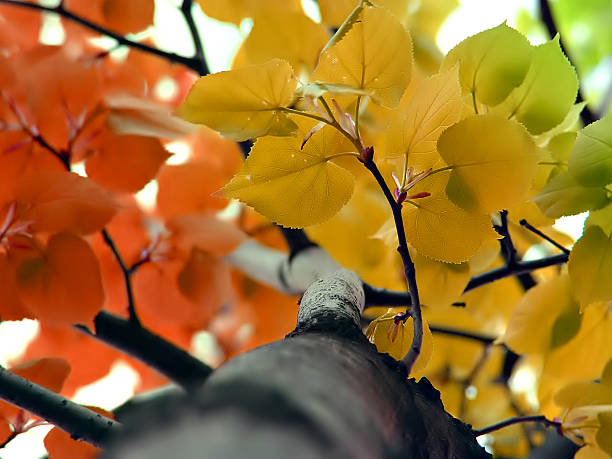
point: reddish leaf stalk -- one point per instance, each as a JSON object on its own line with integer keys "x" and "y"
{"x": 409, "y": 272}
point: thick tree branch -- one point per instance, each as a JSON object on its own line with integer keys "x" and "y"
{"x": 80, "y": 422}
{"x": 586, "y": 115}
{"x": 171, "y": 361}
{"x": 190, "y": 62}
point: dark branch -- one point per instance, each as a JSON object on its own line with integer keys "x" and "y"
{"x": 509, "y": 252}
{"x": 517, "y": 420}
{"x": 534, "y": 230}
{"x": 586, "y": 115}
{"x": 80, "y": 422}
{"x": 376, "y": 296}
{"x": 127, "y": 277}
{"x": 186, "y": 9}
{"x": 409, "y": 272}
{"x": 190, "y": 62}
{"x": 484, "y": 339}
{"x": 173, "y": 362}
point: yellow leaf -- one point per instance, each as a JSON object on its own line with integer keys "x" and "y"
{"x": 236, "y": 10}
{"x": 530, "y": 329}
{"x": 244, "y": 103}
{"x": 590, "y": 266}
{"x": 292, "y": 186}
{"x": 368, "y": 58}
{"x": 493, "y": 162}
{"x": 492, "y": 63}
{"x": 288, "y": 35}
{"x": 395, "y": 339}
{"x": 439, "y": 229}
{"x": 417, "y": 125}
{"x": 439, "y": 283}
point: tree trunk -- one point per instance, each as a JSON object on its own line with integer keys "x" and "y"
{"x": 323, "y": 392}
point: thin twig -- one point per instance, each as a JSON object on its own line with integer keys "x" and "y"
{"x": 190, "y": 62}
{"x": 534, "y": 230}
{"x": 484, "y": 339}
{"x": 509, "y": 252}
{"x": 127, "y": 277}
{"x": 409, "y": 272}
{"x": 468, "y": 381}
{"x": 586, "y": 115}
{"x": 516, "y": 420}
{"x": 186, "y": 9}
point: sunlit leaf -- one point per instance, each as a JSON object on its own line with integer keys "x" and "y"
{"x": 546, "y": 94}
{"x": 367, "y": 59}
{"x": 206, "y": 233}
{"x": 235, "y": 10}
{"x": 590, "y": 266}
{"x": 313, "y": 188}
{"x": 563, "y": 195}
{"x": 439, "y": 229}
{"x": 492, "y": 63}
{"x": 439, "y": 283}
{"x": 416, "y": 127}
{"x": 493, "y": 162}
{"x": 591, "y": 159}
{"x": 395, "y": 338}
{"x": 244, "y": 103}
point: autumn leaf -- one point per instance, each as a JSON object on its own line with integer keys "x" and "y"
{"x": 531, "y": 325}
{"x": 563, "y": 195}
{"x": 206, "y": 233}
{"x": 367, "y": 59}
{"x": 590, "y": 266}
{"x": 63, "y": 285}
{"x": 125, "y": 162}
{"x": 492, "y": 63}
{"x": 440, "y": 283}
{"x": 416, "y": 126}
{"x": 591, "y": 159}
{"x": 439, "y": 229}
{"x": 244, "y": 103}
{"x": 394, "y": 337}
{"x": 493, "y": 162}
{"x": 312, "y": 186}
{"x": 547, "y": 92}
{"x": 235, "y": 10}
{"x": 63, "y": 201}
{"x": 288, "y": 35}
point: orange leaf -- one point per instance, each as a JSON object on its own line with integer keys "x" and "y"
{"x": 206, "y": 233}
{"x": 202, "y": 277}
{"x": 5, "y": 431}
{"x": 64, "y": 201}
{"x": 127, "y": 17}
{"x": 64, "y": 284}
{"x": 11, "y": 307}
{"x": 60, "y": 445}
{"x": 126, "y": 162}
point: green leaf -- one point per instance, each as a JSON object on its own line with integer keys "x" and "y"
{"x": 492, "y": 63}
{"x": 493, "y": 162}
{"x": 546, "y": 94}
{"x": 374, "y": 55}
{"x": 591, "y": 159}
{"x": 563, "y": 196}
{"x": 590, "y": 267}
{"x": 294, "y": 187}
{"x": 244, "y": 103}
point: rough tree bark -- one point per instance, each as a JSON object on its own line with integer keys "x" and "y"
{"x": 322, "y": 392}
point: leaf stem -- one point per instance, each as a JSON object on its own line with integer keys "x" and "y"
{"x": 516, "y": 420}
{"x": 190, "y": 62}
{"x": 409, "y": 272}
